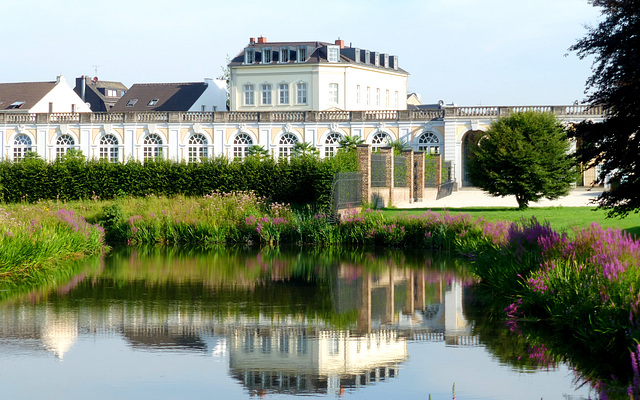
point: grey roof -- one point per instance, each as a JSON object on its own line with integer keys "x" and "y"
{"x": 317, "y": 54}
{"x": 168, "y": 96}
{"x": 96, "y": 92}
{"x": 27, "y": 93}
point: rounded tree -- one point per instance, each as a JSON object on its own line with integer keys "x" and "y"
{"x": 525, "y": 155}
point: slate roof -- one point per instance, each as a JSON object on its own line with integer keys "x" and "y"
{"x": 28, "y": 92}
{"x": 95, "y": 93}
{"x": 170, "y": 97}
{"x": 317, "y": 54}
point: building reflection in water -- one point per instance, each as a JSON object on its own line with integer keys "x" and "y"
{"x": 272, "y": 353}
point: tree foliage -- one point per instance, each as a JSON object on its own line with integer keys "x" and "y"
{"x": 526, "y": 155}
{"x": 349, "y": 143}
{"x": 614, "y": 144}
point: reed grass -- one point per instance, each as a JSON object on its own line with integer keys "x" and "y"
{"x": 34, "y": 238}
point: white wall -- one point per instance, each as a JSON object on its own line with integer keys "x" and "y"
{"x": 63, "y": 97}
{"x": 214, "y": 96}
{"x": 318, "y": 77}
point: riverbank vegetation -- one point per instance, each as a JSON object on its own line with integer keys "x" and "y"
{"x": 34, "y": 238}
{"x": 584, "y": 284}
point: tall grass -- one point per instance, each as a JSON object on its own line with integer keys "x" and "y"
{"x": 33, "y": 239}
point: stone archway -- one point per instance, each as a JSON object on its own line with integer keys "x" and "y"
{"x": 468, "y": 138}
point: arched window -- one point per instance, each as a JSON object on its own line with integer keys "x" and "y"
{"x": 429, "y": 143}
{"x": 241, "y": 143}
{"x": 332, "y": 144}
{"x": 286, "y": 145}
{"x": 21, "y": 145}
{"x": 152, "y": 146}
{"x": 63, "y": 144}
{"x": 108, "y": 149}
{"x": 197, "y": 147}
{"x": 380, "y": 139}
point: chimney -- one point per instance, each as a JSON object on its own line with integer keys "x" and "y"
{"x": 252, "y": 40}
{"x": 340, "y": 43}
{"x": 262, "y": 40}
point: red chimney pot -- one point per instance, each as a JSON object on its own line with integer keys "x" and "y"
{"x": 262, "y": 40}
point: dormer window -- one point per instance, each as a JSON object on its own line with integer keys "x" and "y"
{"x": 284, "y": 54}
{"x": 132, "y": 102}
{"x": 152, "y": 102}
{"x": 16, "y": 104}
{"x": 249, "y": 55}
{"x": 266, "y": 55}
{"x": 301, "y": 54}
{"x": 333, "y": 53}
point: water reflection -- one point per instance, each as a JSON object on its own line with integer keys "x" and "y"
{"x": 284, "y": 322}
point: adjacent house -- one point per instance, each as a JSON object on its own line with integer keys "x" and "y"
{"x": 210, "y": 95}
{"x": 315, "y": 76}
{"x": 40, "y": 98}
{"x": 100, "y": 95}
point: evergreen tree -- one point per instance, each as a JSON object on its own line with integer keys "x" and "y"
{"x": 526, "y": 155}
{"x": 614, "y": 144}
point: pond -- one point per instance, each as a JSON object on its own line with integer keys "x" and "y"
{"x": 241, "y": 323}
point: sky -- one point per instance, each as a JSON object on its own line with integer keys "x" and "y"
{"x": 466, "y": 52}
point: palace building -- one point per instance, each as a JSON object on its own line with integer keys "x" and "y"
{"x": 315, "y": 76}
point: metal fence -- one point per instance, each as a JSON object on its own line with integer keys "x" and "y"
{"x": 399, "y": 171}
{"x": 346, "y": 190}
{"x": 446, "y": 187}
{"x": 430, "y": 164}
{"x": 378, "y": 170}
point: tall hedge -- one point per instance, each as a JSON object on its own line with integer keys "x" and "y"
{"x": 301, "y": 180}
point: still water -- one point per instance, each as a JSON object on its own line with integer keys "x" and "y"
{"x": 243, "y": 323}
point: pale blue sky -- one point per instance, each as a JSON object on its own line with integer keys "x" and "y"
{"x": 471, "y": 52}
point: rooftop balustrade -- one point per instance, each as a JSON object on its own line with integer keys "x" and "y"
{"x": 296, "y": 116}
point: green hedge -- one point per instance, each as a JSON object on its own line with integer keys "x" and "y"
{"x": 301, "y": 180}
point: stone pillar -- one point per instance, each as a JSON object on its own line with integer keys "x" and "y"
{"x": 357, "y": 116}
{"x": 387, "y": 152}
{"x": 42, "y": 118}
{"x": 421, "y": 300}
{"x": 265, "y": 116}
{"x": 364, "y": 168}
{"x": 391, "y": 304}
{"x": 409, "y": 305}
{"x": 130, "y": 117}
{"x": 364, "y": 313}
{"x": 404, "y": 115}
{"x": 174, "y": 117}
{"x": 311, "y": 116}
{"x": 504, "y": 111}
{"x": 408, "y": 164}
{"x": 220, "y": 116}
{"x": 418, "y": 172}
{"x": 85, "y": 118}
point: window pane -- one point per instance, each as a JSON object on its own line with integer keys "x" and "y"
{"x": 302, "y": 93}
{"x": 284, "y": 93}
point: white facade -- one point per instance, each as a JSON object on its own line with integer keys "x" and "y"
{"x": 193, "y": 136}
{"x": 315, "y": 77}
{"x": 214, "y": 97}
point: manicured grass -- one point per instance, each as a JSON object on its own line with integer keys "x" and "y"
{"x": 561, "y": 219}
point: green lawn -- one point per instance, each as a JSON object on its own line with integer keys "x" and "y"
{"x": 560, "y": 218}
